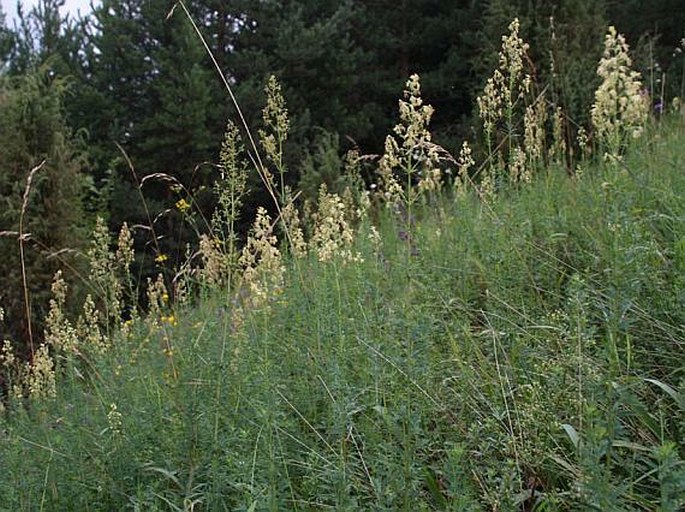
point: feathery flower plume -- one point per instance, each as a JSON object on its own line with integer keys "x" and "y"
{"x": 500, "y": 100}
{"x": 464, "y": 164}
{"x": 264, "y": 272}
{"x": 410, "y": 156}
{"x": 60, "y": 334}
{"x": 620, "y": 108}
{"x": 333, "y": 236}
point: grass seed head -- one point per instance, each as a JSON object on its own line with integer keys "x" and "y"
{"x": 410, "y": 155}
{"x": 7, "y": 357}
{"x": 106, "y": 268}
{"x": 519, "y": 169}
{"x": 376, "y": 241}
{"x": 158, "y": 298}
{"x": 114, "y": 419}
{"x": 291, "y": 218}
{"x": 490, "y": 103}
{"x": 465, "y": 162}
{"x": 512, "y": 55}
{"x": 277, "y": 126}
{"x": 534, "y": 121}
{"x": 214, "y": 271}
{"x": 88, "y": 328}
{"x": 231, "y": 188}
{"x": 125, "y": 253}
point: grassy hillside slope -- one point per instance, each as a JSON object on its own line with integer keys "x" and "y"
{"x": 524, "y": 354}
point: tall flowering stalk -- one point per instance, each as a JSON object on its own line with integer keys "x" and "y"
{"x": 220, "y": 250}
{"x": 277, "y": 124}
{"x": 464, "y": 164}
{"x": 409, "y": 168}
{"x": 410, "y": 156}
{"x": 557, "y": 152}
{"x": 103, "y": 272}
{"x": 110, "y": 273}
{"x": 620, "y": 109}
{"x": 501, "y": 96}
{"x": 60, "y": 333}
{"x": 534, "y": 135}
{"x": 511, "y": 59}
{"x": 273, "y": 138}
{"x": 291, "y": 219}
{"x": 33, "y": 379}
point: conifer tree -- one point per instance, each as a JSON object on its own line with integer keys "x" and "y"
{"x": 49, "y": 218}
{"x": 6, "y": 40}
{"x": 309, "y": 47}
{"x": 44, "y": 35}
{"x": 427, "y": 37}
{"x": 155, "y": 89}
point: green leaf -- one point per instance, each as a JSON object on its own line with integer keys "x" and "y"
{"x": 572, "y": 434}
{"x": 679, "y": 399}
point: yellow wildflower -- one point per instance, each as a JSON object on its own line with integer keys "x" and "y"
{"x": 171, "y": 320}
{"x": 182, "y": 205}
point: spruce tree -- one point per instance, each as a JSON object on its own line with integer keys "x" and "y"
{"x": 33, "y": 130}
{"x": 309, "y": 47}
{"x": 156, "y": 91}
{"x": 428, "y": 37}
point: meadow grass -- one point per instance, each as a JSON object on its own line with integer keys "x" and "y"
{"x": 523, "y": 354}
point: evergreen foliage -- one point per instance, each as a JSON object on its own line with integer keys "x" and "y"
{"x": 34, "y": 130}
{"x": 6, "y": 41}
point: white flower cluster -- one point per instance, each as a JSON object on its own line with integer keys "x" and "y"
{"x": 620, "y": 107}
{"x": 264, "y": 272}
{"x": 333, "y": 236}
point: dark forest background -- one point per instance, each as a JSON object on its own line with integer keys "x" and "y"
{"x": 129, "y": 91}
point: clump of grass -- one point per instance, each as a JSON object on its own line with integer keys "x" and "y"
{"x": 493, "y": 372}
